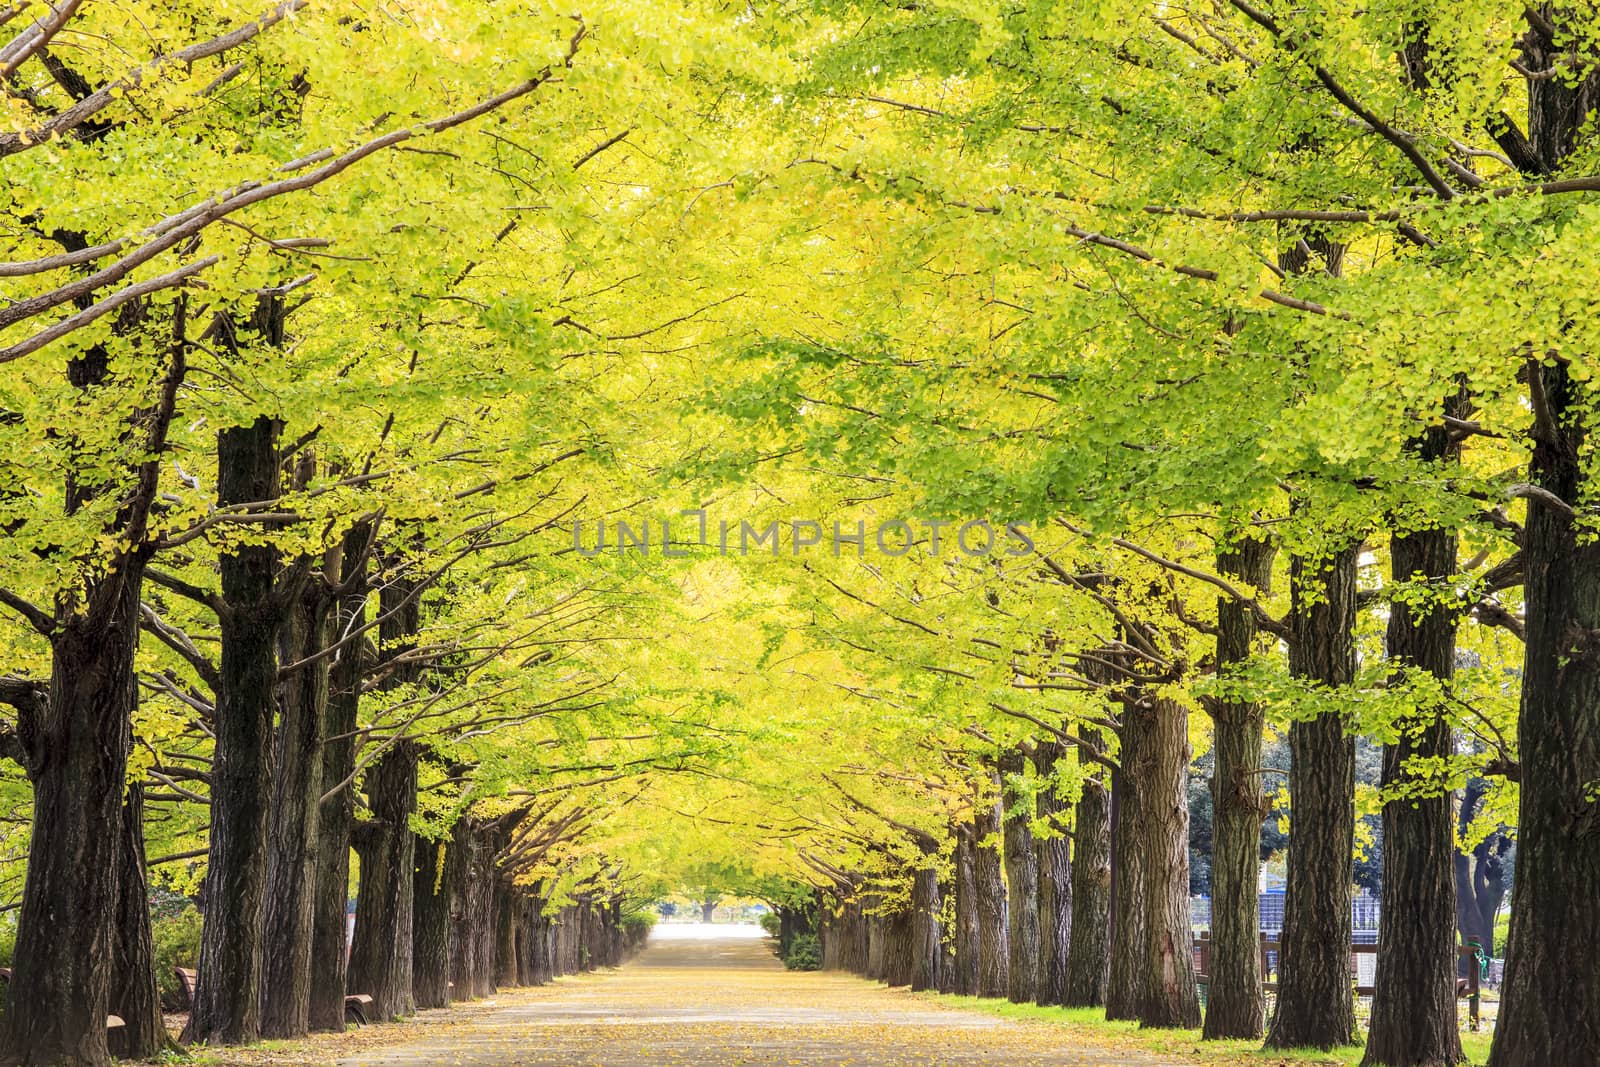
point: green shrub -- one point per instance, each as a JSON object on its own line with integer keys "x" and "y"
{"x": 805, "y": 953}
{"x": 771, "y": 923}
{"x": 177, "y": 943}
{"x": 636, "y": 925}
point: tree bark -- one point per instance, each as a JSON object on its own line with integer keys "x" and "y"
{"x": 297, "y": 789}
{"x": 227, "y": 998}
{"x": 380, "y": 954}
{"x": 1022, "y": 887}
{"x": 1167, "y": 994}
{"x": 60, "y": 988}
{"x": 380, "y": 957}
{"x": 1315, "y": 1008}
{"x": 899, "y": 950}
{"x": 75, "y": 740}
{"x": 994, "y": 956}
{"x": 926, "y": 942}
{"x": 1550, "y": 1009}
{"x": 965, "y": 965}
{"x": 1414, "y": 1000}
{"x": 431, "y": 892}
{"x": 1055, "y": 883}
{"x": 1480, "y": 874}
{"x": 1089, "y": 956}
{"x": 472, "y": 912}
{"x": 539, "y": 942}
{"x": 134, "y": 996}
{"x": 59, "y": 993}
{"x": 1128, "y": 957}
{"x": 329, "y": 931}
{"x": 505, "y": 930}
{"x": 1235, "y": 1000}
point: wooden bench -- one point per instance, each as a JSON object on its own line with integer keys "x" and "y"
{"x": 355, "y": 1005}
{"x": 355, "y": 1008}
{"x": 113, "y": 1022}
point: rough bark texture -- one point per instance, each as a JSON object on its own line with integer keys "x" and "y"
{"x": 1414, "y": 1002}
{"x": 877, "y": 946}
{"x": 1235, "y": 1002}
{"x": 1167, "y": 996}
{"x": 899, "y": 948}
{"x": 505, "y": 937}
{"x": 337, "y": 814}
{"x": 380, "y": 954}
{"x": 227, "y": 999}
{"x": 380, "y": 957}
{"x": 1550, "y": 1009}
{"x": 431, "y": 891}
{"x": 926, "y": 956}
{"x": 1022, "y": 887}
{"x": 844, "y": 939}
{"x": 134, "y": 996}
{"x": 1127, "y": 884}
{"x": 994, "y": 957}
{"x": 472, "y": 911}
{"x": 1315, "y": 1007}
{"x": 1089, "y": 955}
{"x": 539, "y": 966}
{"x": 59, "y": 993}
{"x": 74, "y": 744}
{"x": 964, "y": 967}
{"x": 1055, "y": 884}
{"x": 297, "y": 788}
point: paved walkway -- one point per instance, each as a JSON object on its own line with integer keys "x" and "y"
{"x": 714, "y": 995}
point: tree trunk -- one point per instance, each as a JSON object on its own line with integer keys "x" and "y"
{"x": 851, "y": 938}
{"x": 60, "y": 988}
{"x": 898, "y": 948}
{"x": 1479, "y": 875}
{"x": 329, "y": 931}
{"x": 994, "y": 957}
{"x": 539, "y": 943}
{"x": 296, "y": 815}
{"x": 965, "y": 965}
{"x": 1315, "y": 1008}
{"x": 134, "y": 996}
{"x": 1022, "y": 886}
{"x": 926, "y": 962}
{"x": 1088, "y": 955}
{"x": 1550, "y": 1008}
{"x": 380, "y": 955}
{"x": 505, "y": 929}
{"x": 1414, "y": 1001}
{"x": 1128, "y": 957}
{"x": 707, "y": 910}
{"x": 227, "y": 999}
{"x": 1055, "y": 883}
{"x": 472, "y": 911}
{"x": 1167, "y": 993}
{"x": 1235, "y": 1001}
{"x": 432, "y": 888}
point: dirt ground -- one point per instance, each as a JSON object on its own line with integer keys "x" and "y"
{"x": 714, "y": 995}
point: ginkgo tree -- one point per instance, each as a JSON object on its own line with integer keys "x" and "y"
{"x": 1245, "y": 337}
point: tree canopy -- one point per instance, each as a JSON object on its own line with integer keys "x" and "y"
{"x": 856, "y": 455}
